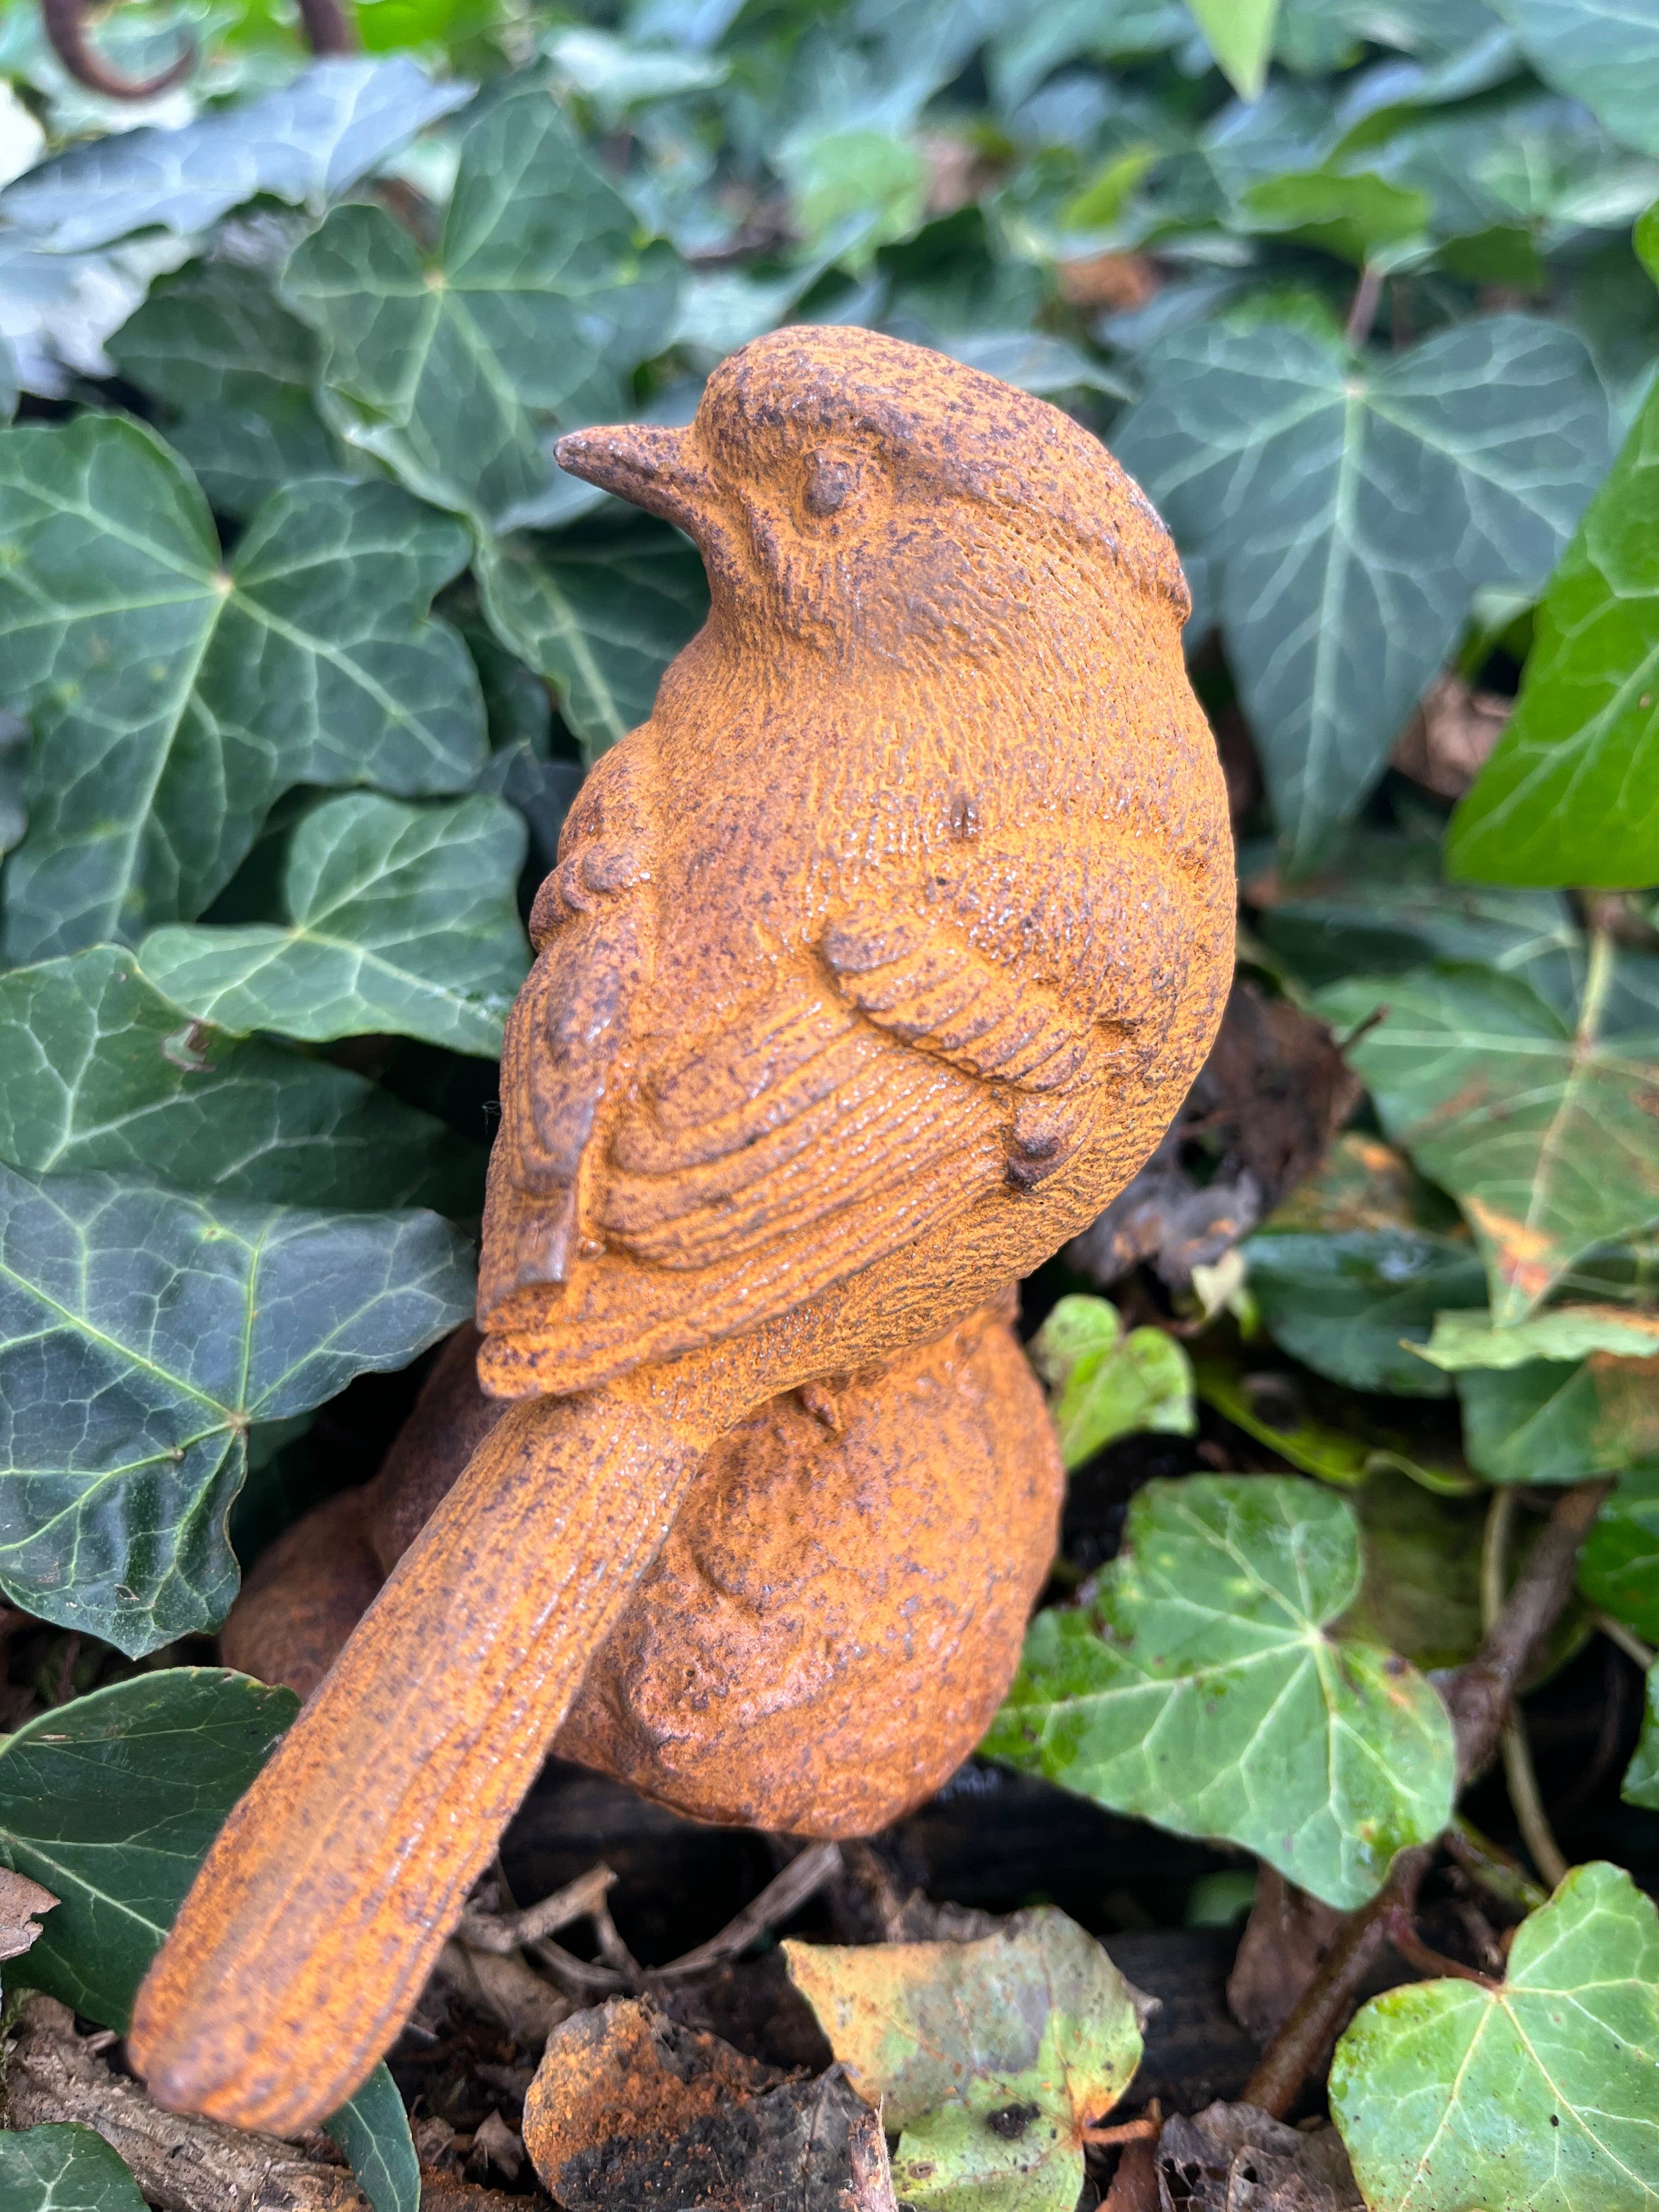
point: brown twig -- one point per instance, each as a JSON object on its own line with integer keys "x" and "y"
{"x": 1479, "y": 1696}
{"x": 65, "y": 27}
{"x": 1403, "y": 1934}
{"x": 1135, "y": 2185}
{"x": 803, "y": 1878}
{"x": 616, "y": 1968}
{"x": 1626, "y": 1639}
{"x": 329, "y": 28}
{"x": 1485, "y": 1862}
{"x": 509, "y": 1931}
{"x": 1363, "y": 313}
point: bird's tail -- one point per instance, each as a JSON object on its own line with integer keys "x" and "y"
{"x": 325, "y": 1899}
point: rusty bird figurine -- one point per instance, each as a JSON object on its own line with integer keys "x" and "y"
{"x": 832, "y": 1623}
{"x": 873, "y": 964}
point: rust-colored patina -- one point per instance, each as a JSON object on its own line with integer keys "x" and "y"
{"x": 828, "y": 1628}
{"x": 872, "y": 965}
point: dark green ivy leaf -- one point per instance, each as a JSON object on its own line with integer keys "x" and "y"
{"x": 1354, "y": 507}
{"x": 120, "y": 1794}
{"x": 64, "y": 2169}
{"x": 1347, "y": 1305}
{"x": 1605, "y": 53}
{"x": 1538, "y": 1125}
{"x": 541, "y": 297}
{"x": 600, "y": 613}
{"x": 175, "y": 695}
{"x": 141, "y": 1332}
{"x": 104, "y": 1072}
{"x": 214, "y": 344}
{"x": 1619, "y": 1566}
{"x": 403, "y": 920}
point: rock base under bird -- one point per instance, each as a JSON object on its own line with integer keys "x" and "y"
{"x": 831, "y": 1623}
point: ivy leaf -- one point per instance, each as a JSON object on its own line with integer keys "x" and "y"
{"x": 1554, "y": 1422}
{"x": 1200, "y": 1689}
{"x": 1605, "y": 53}
{"x": 214, "y": 345}
{"x": 310, "y": 140}
{"x": 1361, "y": 218}
{"x": 1540, "y": 1129}
{"x": 1540, "y": 2095}
{"x": 141, "y": 1332}
{"x": 64, "y": 2169}
{"x": 175, "y": 695}
{"x": 1107, "y": 1384}
{"x": 1570, "y": 795}
{"x": 1382, "y": 908}
{"x": 372, "y": 2129}
{"x": 991, "y": 2057}
{"x": 1336, "y": 1440}
{"x": 1619, "y": 1566}
{"x": 402, "y": 920}
{"x": 104, "y": 1072}
{"x": 600, "y": 613}
{"x": 1348, "y": 1305}
{"x": 1462, "y": 1340}
{"x": 1641, "y": 1783}
{"x": 120, "y": 1794}
{"x": 1353, "y": 508}
{"x": 1240, "y": 36}
{"x": 540, "y": 298}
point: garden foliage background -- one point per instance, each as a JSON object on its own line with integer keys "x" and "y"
{"x": 306, "y": 643}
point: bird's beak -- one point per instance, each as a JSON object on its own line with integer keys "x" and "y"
{"x": 660, "y": 469}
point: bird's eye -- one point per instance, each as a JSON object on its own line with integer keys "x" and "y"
{"x": 833, "y": 479}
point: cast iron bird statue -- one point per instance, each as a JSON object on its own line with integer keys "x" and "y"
{"x": 873, "y": 964}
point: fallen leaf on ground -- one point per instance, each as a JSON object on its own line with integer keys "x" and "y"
{"x": 1286, "y": 1935}
{"x": 991, "y": 2057}
{"x": 629, "y": 2108}
{"x": 1232, "y": 2157}
{"x": 21, "y": 1903}
{"x": 1446, "y": 743}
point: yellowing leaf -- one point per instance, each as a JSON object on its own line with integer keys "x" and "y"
{"x": 991, "y": 2057}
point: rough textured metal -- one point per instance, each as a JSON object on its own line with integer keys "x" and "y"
{"x": 872, "y": 965}
{"x": 828, "y": 1628}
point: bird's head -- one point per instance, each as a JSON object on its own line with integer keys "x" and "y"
{"x": 868, "y": 495}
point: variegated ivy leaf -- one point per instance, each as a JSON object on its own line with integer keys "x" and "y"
{"x": 539, "y": 299}
{"x": 1200, "y": 1689}
{"x": 175, "y": 694}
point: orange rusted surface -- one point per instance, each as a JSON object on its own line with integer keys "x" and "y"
{"x": 872, "y": 965}
{"x": 832, "y": 1622}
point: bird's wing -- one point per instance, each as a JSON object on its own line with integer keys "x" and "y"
{"x": 901, "y": 1052}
